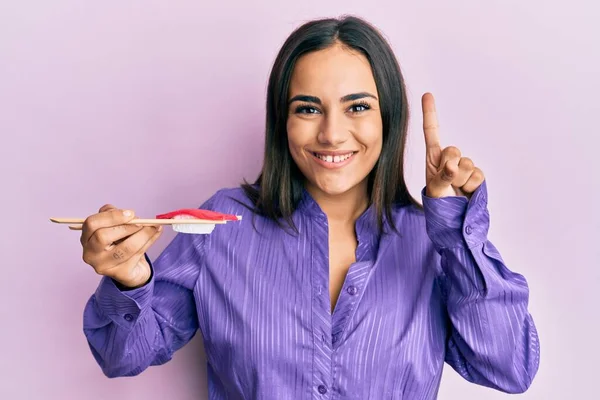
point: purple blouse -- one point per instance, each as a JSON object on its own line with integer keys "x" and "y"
{"x": 438, "y": 292}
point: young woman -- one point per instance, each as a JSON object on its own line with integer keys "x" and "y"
{"x": 336, "y": 284}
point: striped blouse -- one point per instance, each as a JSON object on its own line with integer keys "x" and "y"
{"x": 438, "y": 292}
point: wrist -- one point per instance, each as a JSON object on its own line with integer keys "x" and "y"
{"x": 143, "y": 276}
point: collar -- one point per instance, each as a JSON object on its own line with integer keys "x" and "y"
{"x": 365, "y": 226}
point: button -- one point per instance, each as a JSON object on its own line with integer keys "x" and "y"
{"x": 352, "y": 290}
{"x": 468, "y": 229}
{"x": 336, "y": 337}
{"x": 128, "y": 317}
{"x": 322, "y": 389}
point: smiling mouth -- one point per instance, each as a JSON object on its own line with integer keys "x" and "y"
{"x": 338, "y": 158}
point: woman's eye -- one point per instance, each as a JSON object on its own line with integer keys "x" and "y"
{"x": 359, "y": 107}
{"x": 306, "y": 110}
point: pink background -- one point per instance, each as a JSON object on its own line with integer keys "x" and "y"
{"x": 154, "y": 105}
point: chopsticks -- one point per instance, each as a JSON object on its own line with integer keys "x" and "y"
{"x": 77, "y": 223}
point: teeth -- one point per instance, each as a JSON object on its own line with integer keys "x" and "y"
{"x": 334, "y": 159}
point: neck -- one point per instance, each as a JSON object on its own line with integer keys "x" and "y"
{"x": 342, "y": 208}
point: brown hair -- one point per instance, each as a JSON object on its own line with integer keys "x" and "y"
{"x": 278, "y": 189}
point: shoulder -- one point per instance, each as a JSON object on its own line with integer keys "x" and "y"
{"x": 410, "y": 222}
{"x": 412, "y": 241}
{"x": 409, "y": 215}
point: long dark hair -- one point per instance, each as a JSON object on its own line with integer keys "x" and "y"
{"x": 278, "y": 189}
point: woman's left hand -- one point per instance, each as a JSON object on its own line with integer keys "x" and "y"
{"x": 447, "y": 173}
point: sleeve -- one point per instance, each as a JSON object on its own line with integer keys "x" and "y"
{"x": 127, "y": 331}
{"x": 493, "y": 340}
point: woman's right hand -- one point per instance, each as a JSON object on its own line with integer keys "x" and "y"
{"x": 116, "y": 249}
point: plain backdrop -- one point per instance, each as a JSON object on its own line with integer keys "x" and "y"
{"x": 154, "y": 105}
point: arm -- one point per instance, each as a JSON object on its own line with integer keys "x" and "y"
{"x": 493, "y": 341}
{"x": 129, "y": 330}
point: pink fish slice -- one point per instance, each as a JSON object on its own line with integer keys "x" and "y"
{"x": 184, "y": 216}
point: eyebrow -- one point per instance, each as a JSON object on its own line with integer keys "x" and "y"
{"x": 344, "y": 99}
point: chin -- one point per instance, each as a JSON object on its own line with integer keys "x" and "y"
{"x": 333, "y": 191}
{"x": 335, "y": 188}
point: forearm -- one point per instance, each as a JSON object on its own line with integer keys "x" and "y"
{"x": 129, "y": 330}
{"x": 119, "y": 331}
{"x": 493, "y": 339}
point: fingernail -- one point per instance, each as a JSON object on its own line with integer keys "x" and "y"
{"x": 127, "y": 213}
{"x": 159, "y": 228}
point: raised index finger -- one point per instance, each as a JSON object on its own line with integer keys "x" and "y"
{"x": 430, "y": 121}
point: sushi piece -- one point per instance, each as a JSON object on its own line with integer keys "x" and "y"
{"x": 204, "y": 215}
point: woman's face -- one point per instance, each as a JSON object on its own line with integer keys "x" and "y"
{"x": 334, "y": 124}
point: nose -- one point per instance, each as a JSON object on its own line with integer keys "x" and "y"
{"x": 332, "y": 131}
